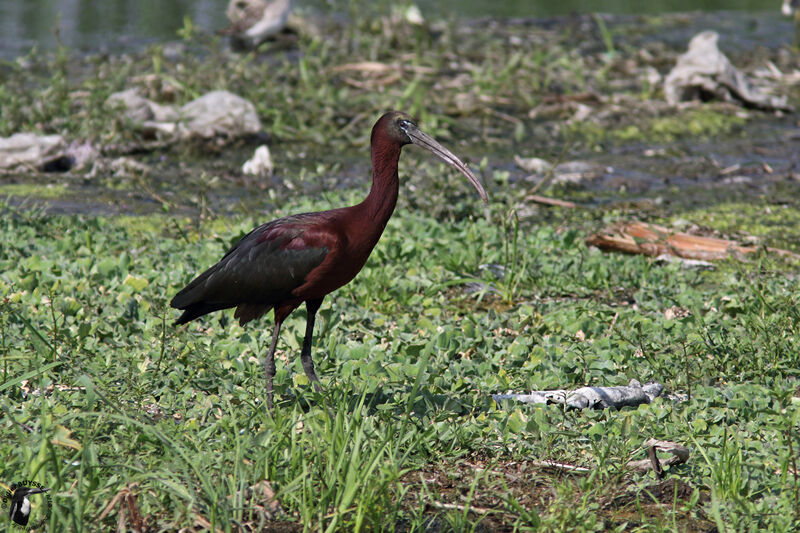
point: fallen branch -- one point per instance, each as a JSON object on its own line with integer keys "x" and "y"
{"x": 631, "y": 395}
{"x": 654, "y": 240}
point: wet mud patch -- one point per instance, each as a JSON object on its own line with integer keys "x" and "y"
{"x": 505, "y": 495}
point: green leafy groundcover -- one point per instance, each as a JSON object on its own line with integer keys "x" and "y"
{"x": 101, "y": 393}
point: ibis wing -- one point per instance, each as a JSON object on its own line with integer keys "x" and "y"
{"x": 261, "y": 269}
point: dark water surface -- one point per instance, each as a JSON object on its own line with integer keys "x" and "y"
{"x": 118, "y": 25}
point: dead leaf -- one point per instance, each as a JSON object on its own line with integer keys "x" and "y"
{"x": 63, "y": 438}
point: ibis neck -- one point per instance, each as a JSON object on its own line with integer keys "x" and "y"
{"x": 379, "y": 204}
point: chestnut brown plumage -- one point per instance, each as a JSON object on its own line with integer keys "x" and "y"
{"x": 301, "y": 258}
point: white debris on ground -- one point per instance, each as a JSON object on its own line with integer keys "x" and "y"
{"x": 704, "y": 72}
{"x": 592, "y": 397}
{"x": 255, "y": 21}
{"x": 260, "y": 164}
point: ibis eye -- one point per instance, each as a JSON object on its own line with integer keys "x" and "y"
{"x": 405, "y": 123}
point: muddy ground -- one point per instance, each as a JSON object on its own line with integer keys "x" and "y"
{"x": 635, "y": 151}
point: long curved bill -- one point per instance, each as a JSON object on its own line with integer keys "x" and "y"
{"x": 420, "y": 138}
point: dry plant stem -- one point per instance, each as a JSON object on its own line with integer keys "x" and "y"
{"x": 457, "y": 507}
{"x": 561, "y": 466}
{"x": 550, "y": 201}
{"x": 127, "y": 507}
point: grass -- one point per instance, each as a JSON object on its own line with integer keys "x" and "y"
{"x": 116, "y": 397}
{"x": 129, "y": 418}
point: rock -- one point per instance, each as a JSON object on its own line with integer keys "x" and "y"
{"x": 534, "y": 165}
{"x": 650, "y": 76}
{"x": 703, "y": 72}
{"x": 576, "y": 172}
{"x": 219, "y": 113}
{"x": 215, "y": 114}
{"x": 29, "y": 150}
{"x": 82, "y": 154}
{"x": 260, "y": 164}
{"x": 139, "y": 109}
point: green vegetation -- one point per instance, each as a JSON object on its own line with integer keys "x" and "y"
{"x": 129, "y": 418}
{"x": 52, "y": 191}
{"x": 103, "y": 393}
{"x": 702, "y": 124}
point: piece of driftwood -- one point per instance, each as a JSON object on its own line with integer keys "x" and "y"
{"x": 629, "y": 395}
{"x": 654, "y": 240}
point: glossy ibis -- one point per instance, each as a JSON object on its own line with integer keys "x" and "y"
{"x": 301, "y": 258}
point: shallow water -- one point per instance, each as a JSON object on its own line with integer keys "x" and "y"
{"x": 121, "y": 25}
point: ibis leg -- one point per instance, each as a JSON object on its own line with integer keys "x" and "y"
{"x": 305, "y": 356}
{"x": 269, "y": 363}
